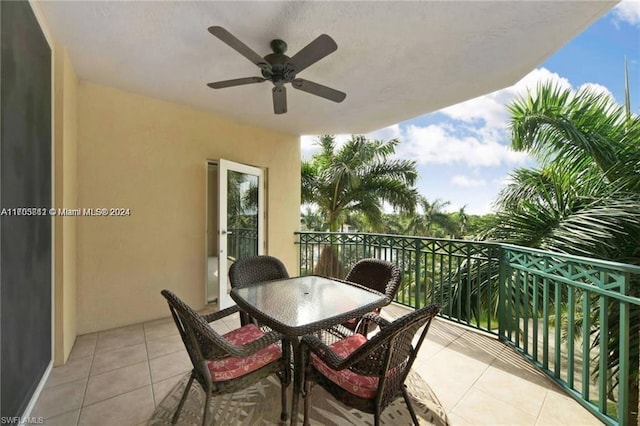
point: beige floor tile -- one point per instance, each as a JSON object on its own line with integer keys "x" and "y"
{"x": 161, "y": 389}
{"x": 116, "y": 382}
{"x": 396, "y": 310}
{"x": 517, "y": 391}
{"x": 104, "y": 361}
{"x": 479, "y": 408}
{"x": 430, "y": 349}
{"x": 73, "y": 370}
{"x": 446, "y": 330}
{"x": 477, "y": 346}
{"x": 66, "y": 419}
{"x": 160, "y": 328}
{"x": 457, "y": 420}
{"x": 513, "y": 363}
{"x": 169, "y": 365}
{"x": 221, "y": 327}
{"x": 84, "y": 346}
{"x": 130, "y": 408}
{"x": 120, "y": 338}
{"x": 232, "y": 322}
{"x": 60, "y": 399}
{"x": 164, "y": 345}
{"x": 122, "y": 330}
{"x": 160, "y": 321}
{"x": 450, "y": 374}
{"x": 559, "y": 409}
{"x": 478, "y": 379}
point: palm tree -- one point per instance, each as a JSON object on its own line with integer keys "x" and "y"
{"x": 462, "y": 221}
{"x": 585, "y": 197}
{"x": 351, "y": 183}
{"x": 312, "y": 220}
{"x": 432, "y": 214}
{"x": 357, "y": 178}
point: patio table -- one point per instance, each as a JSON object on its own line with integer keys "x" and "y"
{"x": 304, "y": 305}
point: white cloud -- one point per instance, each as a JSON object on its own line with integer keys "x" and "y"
{"x": 439, "y": 144}
{"x": 479, "y": 137}
{"x": 627, "y": 11}
{"x": 489, "y": 110}
{"x": 386, "y": 133}
{"x": 597, "y": 88}
{"x": 504, "y": 181}
{"x": 478, "y": 134}
{"x": 467, "y": 182}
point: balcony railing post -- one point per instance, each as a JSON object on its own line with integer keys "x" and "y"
{"x": 625, "y": 409}
{"x": 629, "y": 358}
{"x": 365, "y": 245}
{"x": 418, "y": 250}
{"x": 502, "y": 280}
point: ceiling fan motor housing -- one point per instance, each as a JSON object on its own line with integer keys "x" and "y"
{"x": 281, "y": 71}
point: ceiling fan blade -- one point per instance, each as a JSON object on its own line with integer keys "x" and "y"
{"x": 235, "y": 82}
{"x": 279, "y": 99}
{"x": 318, "y": 90}
{"x": 313, "y": 52}
{"x": 239, "y": 46}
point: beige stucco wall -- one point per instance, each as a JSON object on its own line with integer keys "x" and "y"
{"x": 149, "y": 156}
{"x": 65, "y": 185}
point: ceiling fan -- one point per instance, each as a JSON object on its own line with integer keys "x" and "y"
{"x": 280, "y": 69}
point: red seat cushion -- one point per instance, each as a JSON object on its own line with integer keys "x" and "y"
{"x": 364, "y": 386}
{"x": 353, "y": 322}
{"x": 230, "y": 368}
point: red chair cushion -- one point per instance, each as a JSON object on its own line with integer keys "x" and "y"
{"x": 230, "y": 368}
{"x": 353, "y": 322}
{"x": 364, "y": 386}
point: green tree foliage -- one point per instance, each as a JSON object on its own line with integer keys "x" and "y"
{"x": 357, "y": 178}
{"x": 584, "y": 198}
{"x": 432, "y": 220}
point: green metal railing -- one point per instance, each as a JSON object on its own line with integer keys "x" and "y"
{"x": 242, "y": 242}
{"x": 573, "y": 317}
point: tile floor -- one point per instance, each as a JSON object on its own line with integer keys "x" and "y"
{"x": 117, "y": 377}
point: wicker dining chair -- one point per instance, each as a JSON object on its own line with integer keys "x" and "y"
{"x": 252, "y": 270}
{"x": 231, "y": 362}
{"x": 367, "y": 374}
{"x": 376, "y": 274}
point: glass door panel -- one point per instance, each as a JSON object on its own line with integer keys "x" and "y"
{"x": 241, "y": 216}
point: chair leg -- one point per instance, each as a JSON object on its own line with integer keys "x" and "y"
{"x": 285, "y": 378}
{"x": 176, "y": 415}
{"x": 205, "y": 416}
{"x": 376, "y": 419}
{"x": 284, "y": 416}
{"x": 307, "y": 402}
{"x": 407, "y": 400}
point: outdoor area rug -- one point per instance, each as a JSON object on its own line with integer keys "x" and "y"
{"x": 260, "y": 405}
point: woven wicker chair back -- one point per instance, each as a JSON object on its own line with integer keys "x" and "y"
{"x": 390, "y": 354}
{"x": 376, "y": 274}
{"x": 255, "y": 269}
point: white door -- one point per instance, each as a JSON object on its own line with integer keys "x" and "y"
{"x": 241, "y": 219}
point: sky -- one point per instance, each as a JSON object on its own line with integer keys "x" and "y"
{"x": 462, "y": 152}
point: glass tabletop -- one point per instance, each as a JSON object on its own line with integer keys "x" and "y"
{"x": 296, "y": 305}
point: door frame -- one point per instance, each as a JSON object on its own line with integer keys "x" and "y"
{"x": 223, "y": 166}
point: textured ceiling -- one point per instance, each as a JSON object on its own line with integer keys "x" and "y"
{"x": 395, "y": 60}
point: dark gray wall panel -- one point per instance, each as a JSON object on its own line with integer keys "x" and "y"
{"x": 25, "y": 181}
